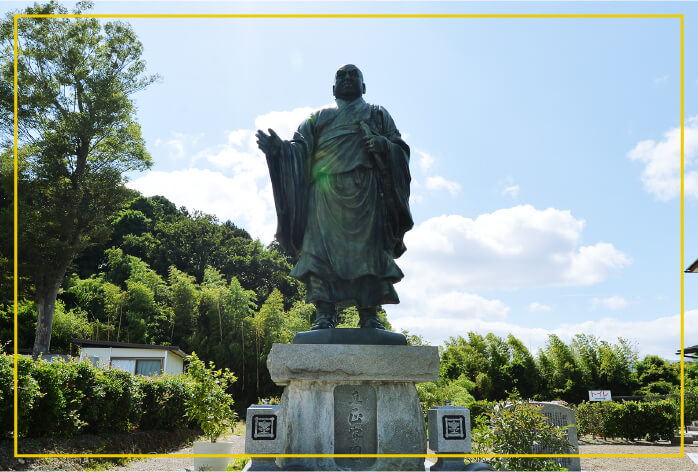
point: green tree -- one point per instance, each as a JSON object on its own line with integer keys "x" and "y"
{"x": 155, "y": 231}
{"x": 269, "y": 324}
{"x": 655, "y": 376}
{"x": 499, "y": 356}
{"x": 184, "y": 300}
{"x": 562, "y": 372}
{"x": 461, "y": 356}
{"x": 522, "y": 369}
{"x": 114, "y": 301}
{"x": 77, "y": 133}
{"x": 587, "y": 349}
{"x": 616, "y": 366}
{"x": 68, "y": 324}
{"x": 26, "y": 324}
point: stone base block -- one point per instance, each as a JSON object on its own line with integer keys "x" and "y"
{"x": 352, "y": 399}
{"x": 326, "y": 417}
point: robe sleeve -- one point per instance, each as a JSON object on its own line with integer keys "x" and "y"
{"x": 290, "y": 181}
{"x": 395, "y": 185}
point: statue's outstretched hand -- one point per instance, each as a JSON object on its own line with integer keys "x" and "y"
{"x": 270, "y": 144}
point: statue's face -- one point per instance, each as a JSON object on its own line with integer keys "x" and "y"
{"x": 348, "y": 83}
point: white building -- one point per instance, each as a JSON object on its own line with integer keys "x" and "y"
{"x": 142, "y": 359}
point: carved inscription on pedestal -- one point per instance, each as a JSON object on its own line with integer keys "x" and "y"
{"x": 264, "y": 427}
{"x": 355, "y": 427}
{"x": 454, "y": 427}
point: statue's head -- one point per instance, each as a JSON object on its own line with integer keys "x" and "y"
{"x": 348, "y": 83}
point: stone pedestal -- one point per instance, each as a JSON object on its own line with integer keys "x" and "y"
{"x": 352, "y": 399}
{"x": 449, "y": 433}
{"x": 263, "y": 435}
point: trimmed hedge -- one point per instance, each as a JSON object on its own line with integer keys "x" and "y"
{"x": 67, "y": 398}
{"x": 630, "y": 420}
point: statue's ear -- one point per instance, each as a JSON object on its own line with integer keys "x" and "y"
{"x": 333, "y": 91}
{"x": 364, "y": 87}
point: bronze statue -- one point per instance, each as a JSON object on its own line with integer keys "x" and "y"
{"x": 341, "y": 188}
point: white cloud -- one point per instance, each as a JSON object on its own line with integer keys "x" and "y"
{"x": 509, "y": 248}
{"x": 660, "y": 80}
{"x": 662, "y": 174}
{"x": 660, "y": 336}
{"x": 239, "y": 155}
{"x": 450, "y": 256}
{"x": 440, "y": 183}
{"x": 178, "y": 144}
{"x": 611, "y": 303}
{"x": 425, "y": 161}
{"x": 284, "y": 123}
{"x": 239, "y": 190}
{"x": 512, "y": 190}
{"x": 535, "y": 306}
{"x": 243, "y": 200}
{"x": 416, "y": 199}
{"x": 453, "y": 304}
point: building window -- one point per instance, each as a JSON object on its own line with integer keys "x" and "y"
{"x": 147, "y": 367}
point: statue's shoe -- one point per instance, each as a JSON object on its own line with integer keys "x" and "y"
{"x": 324, "y": 322}
{"x": 370, "y": 322}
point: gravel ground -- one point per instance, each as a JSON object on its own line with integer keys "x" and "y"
{"x": 585, "y": 447}
{"x": 635, "y": 463}
{"x": 177, "y": 463}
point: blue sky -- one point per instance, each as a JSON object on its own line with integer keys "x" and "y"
{"x": 544, "y": 160}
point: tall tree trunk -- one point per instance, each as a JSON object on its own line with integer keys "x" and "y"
{"x": 257, "y": 363}
{"x": 243, "y": 354}
{"x": 45, "y": 304}
{"x": 118, "y": 330}
{"x": 220, "y": 320}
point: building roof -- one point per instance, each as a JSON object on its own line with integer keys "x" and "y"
{"x": 693, "y": 268}
{"x": 690, "y": 352}
{"x": 91, "y": 343}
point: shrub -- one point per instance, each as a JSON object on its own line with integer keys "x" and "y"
{"x": 66, "y": 398}
{"x": 630, "y": 420}
{"x": 520, "y": 428}
{"x": 6, "y": 394}
{"x": 210, "y": 406}
{"x": 690, "y": 404}
{"x": 28, "y": 394}
{"x": 660, "y": 419}
{"x": 84, "y": 391}
{"x": 121, "y": 407}
{"x": 590, "y": 419}
{"x": 481, "y": 409}
{"x": 53, "y": 413}
{"x": 164, "y": 401}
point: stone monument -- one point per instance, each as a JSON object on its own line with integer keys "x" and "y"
{"x": 263, "y": 435}
{"x": 449, "y": 433}
{"x": 562, "y": 416}
{"x": 341, "y": 190}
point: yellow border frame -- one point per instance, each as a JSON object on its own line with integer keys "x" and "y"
{"x": 426, "y": 456}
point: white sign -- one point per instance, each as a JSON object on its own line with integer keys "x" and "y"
{"x": 600, "y": 395}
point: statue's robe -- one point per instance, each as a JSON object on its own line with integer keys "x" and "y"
{"x": 340, "y": 209}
